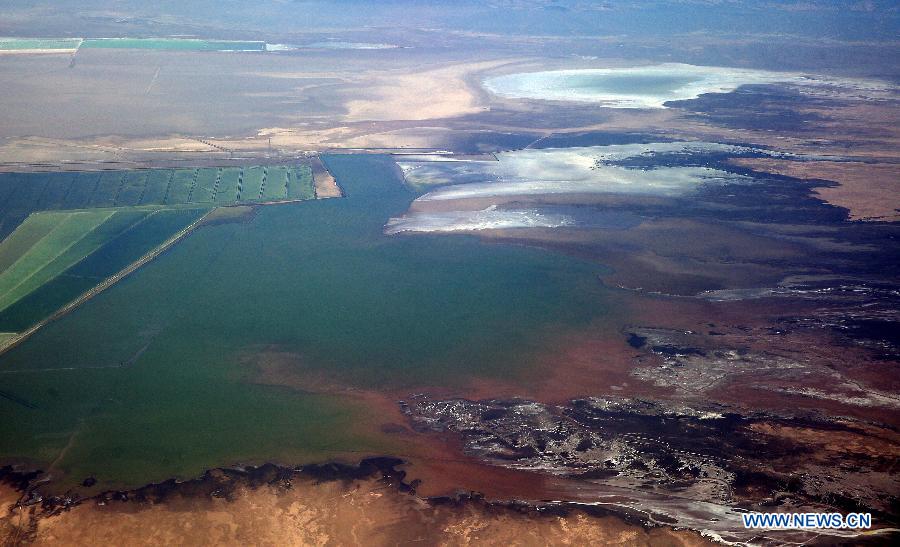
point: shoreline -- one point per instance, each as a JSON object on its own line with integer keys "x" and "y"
{"x": 230, "y": 484}
{"x": 228, "y": 489}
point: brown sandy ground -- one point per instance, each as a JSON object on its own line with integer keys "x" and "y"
{"x": 796, "y": 369}
{"x": 425, "y": 95}
{"x": 870, "y": 191}
{"x": 317, "y": 102}
{"x": 303, "y": 511}
{"x": 326, "y": 186}
{"x": 14, "y": 521}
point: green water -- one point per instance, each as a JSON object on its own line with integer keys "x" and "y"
{"x": 167, "y": 44}
{"x": 178, "y": 44}
{"x": 39, "y": 43}
{"x": 316, "y": 279}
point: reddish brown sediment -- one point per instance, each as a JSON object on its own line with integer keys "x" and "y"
{"x": 838, "y": 373}
{"x": 868, "y": 440}
{"x": 435, "y": 459}
{"x": 580, "y": 363}
{"x": 670, "y": 256}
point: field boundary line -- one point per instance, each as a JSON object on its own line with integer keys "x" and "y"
{"x": 52, "y": 258}
{"x": 106, "y": 283}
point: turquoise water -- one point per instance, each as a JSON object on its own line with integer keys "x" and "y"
{"x": 179, "y": 44}
{"x": 172, "y": 44}
{"x": 39, "y": 43}
{"x": 155, "y": 377}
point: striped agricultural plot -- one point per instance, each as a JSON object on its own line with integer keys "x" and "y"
{"x": 45, "y": 284}
{"x": 64, "y": 233}
{"x": 51, "y": 254}
{"x": 252, "y": 183}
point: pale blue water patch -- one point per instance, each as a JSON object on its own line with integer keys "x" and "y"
{"x": 660, "y": 169}
{"x": 631, "y": 84}
{"x": 633, "y": 87}
{"x": 496, "y": 218}
{"x": 490, "y": 218}
{"x": 591, "y": 169}
{"x": 349, "y": 45}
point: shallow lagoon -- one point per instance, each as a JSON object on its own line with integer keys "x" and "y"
{"x": 632, "y": 87}
{"x": 155, "y": 378}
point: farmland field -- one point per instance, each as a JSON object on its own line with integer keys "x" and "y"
{"x": 300, "y": 183}
{"x": 22, "y": 193}
{"x": 24, "y": 238}
{"x": 276, "y": 182}
{"x": 228, "y": 185}
{"x": 205, "y": 191}
{"x": 133, "y": 185}
{"x": 63, "y": 233}
{"x": 50, "y": 254}
{"x": 252, "y": 183}
{"x": 182, "y": 186}
{"x": 54, "y": 195}
{"x": 107, "y": 189}
{"x": 157, "y": 186}
{"x": 123, "y": 238}
{"x": 79, "y": 192}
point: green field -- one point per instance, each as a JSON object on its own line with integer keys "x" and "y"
{"x": 182, "y": 186}
{"x": 107, "y": 189}
{"x": 276, "y": 183}
{"x": 23, "y": 193}
{"x": 80, "y": 189}
{"x": 205, "y": 190}
{"x": 91, "y": 244}
{"x": 251, "y": 183}
{"x": 123, "y": 238}
{"x": 51, "y": 251}
{"x": 228, "y": 185}
{"x": 157, "y": 188}
{"x": 25, "y": 236}
{"x": 63, "y": 233}
{"x": 300, "y": 183}
{"x": 134, "y": 184}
